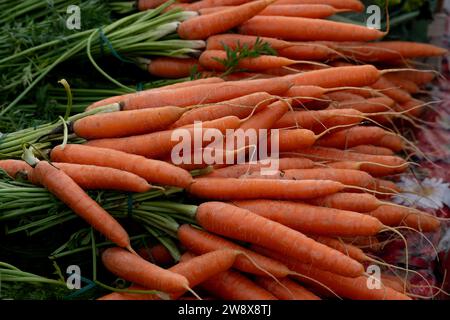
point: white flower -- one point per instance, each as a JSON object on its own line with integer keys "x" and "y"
{"x": 430, "y": 193}
{"x": 444, "y": 244}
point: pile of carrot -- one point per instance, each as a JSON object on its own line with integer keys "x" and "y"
{"x": 298, "y": 233}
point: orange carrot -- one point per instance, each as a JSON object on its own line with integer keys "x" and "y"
{"x": 287, "y": 290}
{"x": 239, "y": 170}
{"x": 390, "y": 50}
{"x": 185, "y": 84}
{"x": 204, "y": 93}
{"x": 353, "y": 288}
{"x": 240, "y": 107}
{"x": 354, "y": 76}
{"x": 173, "y": 68}
{"x": 126, "y": 123}
{"x": 214, "y": 3}
{"x": 301, "y": 29}
{"x": 347, "y": 249}
{"x": 204, "y": 26}
{"x": 319, "y": 120}
{"x": 375, "y": 165}
{"x": 157, "y": 254}
{"x": 312, "y": 219}
{"x": 354, "y": 5}
{"x": 231, "y": 285}
{"x": 307, "y": 51}
{"x": 294, "y": 139}
{"x": 133, "y": 268}
{"x": 404, "y": 84}
{"x": 386, "y": 186}
{"x": 367, "y": 243}
{"x": 95, "y": 177}
{"x": 232, "y": 40}
{"x": 359, "y": 135}
{"x": 420, "y": 78}
{"x": 241, "y": 224}
{"x": 66, "y": 190}
{"x": 371, "y": 149}
{"x": 370, "y": 105}
{"x": 301, "y": 94}
{"x": 159, "y": 143}
{"x": 195, "y": 269}
{"x": 151, "y": 170}
{"x": 208, "y": 59}
{"x": 315, "y": 11}
{"x": 230, "y": 188}
{"x": 15, "y": 167}
{"x": 391, "y": 90}
{"x": 357, "y": 202}
{"x": 267, "y": 117}
{"x": 344, "y": 96}
{"x": 201, "y": 242}
{"x": 395, "y": 216}
{"x": 143, "y": 5}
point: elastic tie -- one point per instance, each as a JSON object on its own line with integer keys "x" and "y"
{"x": 105, "y": 40}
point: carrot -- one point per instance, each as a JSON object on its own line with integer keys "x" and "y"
{"x": 95, "y": 177}
{"x": 15, "y": 167}
{"x": 133, "y": 268}
{"x": 214, "y": 3}
{"x": 162, "y": 142}
{"x": 209, "y": 60}
{"x": 267, "y": 117}
{"x": 307, "y": 218}
{"x": 66, "y": 190}
{"x": 352, "y": 288}
{"x": 201, "y": 242}
{"x": 239, "y": 170}
{"x": 287, "y": 290}
{"x": 360, "y": 135}
{"x": 319, "y": 120}
{"x": 354, "y": 76}
{"x": 234, "y": 189}
{"x": 390, "y": 90}
{"x": 354, "y": 5}
{"x": 231, "y": 285}
{"x": 185, "y": 84}
{"x": 204, "y": 93}
{"x": 404, "y": 84}
{"x": 375, "y": 165}
{"x": 367, "y": 243}
{"x": 240, "y": 107}
{"x": 126, "y": 123}
{"x": 344, "y": 96}
{"x": 232, "y": 41}
{"x": 204, "y": 26}
{"x": 173, "y": 68}
{"x": 371, "y": 149}
{"x": 420, "y": 78}
{"x": 395, "y": 216}
{"x": 301, "y": 94}
{"x": 143, "y": 5}
{"x": 347, "y": 249}
{"x": 157, "y": 254}
{"x": 391, "y": 50}
{"x": 301, "y": 29}
{"x": 357, "y": 202}
{"x": 315, "y": 11}
{"x": 194, "y": 269}
{"x": 241, "y": 224}
{"x": 294, "y": 139}
{"x": 370, "y": 105}
{"x": 307, "y": 51}
{"x": 344, "y": 176}
{"x": 151, "y": 170}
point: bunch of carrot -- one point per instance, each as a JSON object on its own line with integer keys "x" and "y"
{"x": 306, "y": 230}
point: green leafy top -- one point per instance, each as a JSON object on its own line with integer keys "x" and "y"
{"x": 240, "y": 52}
